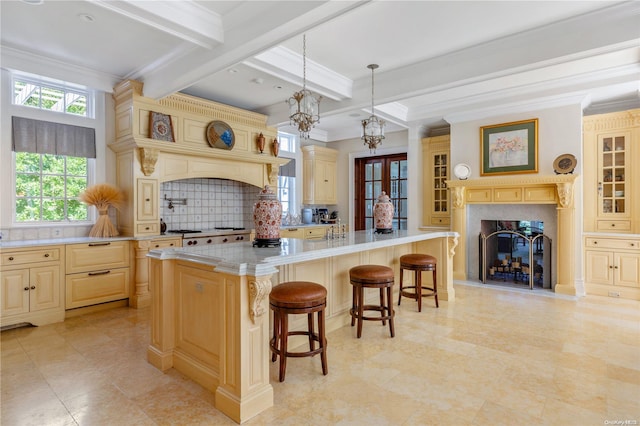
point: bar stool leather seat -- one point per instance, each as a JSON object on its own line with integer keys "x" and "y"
{"x": 298, "y": 297}
{"x": 372, "y": 276}
{"x": 418, "y": 263}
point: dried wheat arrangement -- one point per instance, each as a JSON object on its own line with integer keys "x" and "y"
{"x": 103, "y": 196}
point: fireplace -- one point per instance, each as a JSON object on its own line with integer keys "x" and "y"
{"x": 548, "y": 199}
{"x": 514, "y": 252}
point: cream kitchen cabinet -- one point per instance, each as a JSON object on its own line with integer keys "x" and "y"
{"x": 611, "y": 182}
{"x": 319, "y": 175}
{"x": 305, "y": 232}
{"x": 436, "y": 171}
{"x": 612, "y": 266}
{"x": 96, "y": 272}
{"x": 31, "y": 286}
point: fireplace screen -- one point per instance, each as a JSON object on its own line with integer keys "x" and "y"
{"x": 515, "y": 251}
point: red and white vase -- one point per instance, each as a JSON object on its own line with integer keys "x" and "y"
{"x": 383, "y": 214}
{"x": 267, "y": 218}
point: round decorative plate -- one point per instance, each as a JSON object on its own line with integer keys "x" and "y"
{"x": 565, "y": 163}
{"x": 462, "y": 171}
{"x": 220, "y": 135}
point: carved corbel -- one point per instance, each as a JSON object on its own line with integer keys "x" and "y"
{"x": 148, "y": 159}
{"x": 565, "y": 194}
{"x": 258, "y": 290}
{"x": 457, "y": 197}
{"x": 452, "y": 242}
{"x": 272, "y": 174}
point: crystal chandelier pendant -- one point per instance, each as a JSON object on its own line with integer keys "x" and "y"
{"x": 372, "y": 127}
{"x": 304, "y": 108}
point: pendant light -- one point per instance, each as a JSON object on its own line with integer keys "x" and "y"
{"x": 304, "y": 108}
{"x": 372, "y": 127}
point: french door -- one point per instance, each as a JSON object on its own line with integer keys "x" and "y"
{"x": 372, "y": 176}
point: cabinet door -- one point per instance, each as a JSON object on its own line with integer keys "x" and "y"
{"x": 599, "y": 268}
{"x": 328, "y": 180}
{"x": 45, "y": 288}
{"x": 613, "y": 173}
{"x": 15, "y": 292}
{"x": 627, "y": 268}
{"x": 147, "y": 199}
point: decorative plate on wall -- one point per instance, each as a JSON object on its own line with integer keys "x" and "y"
{"x": 462, "y": 171}
{"x": 220, "y": 135}
{"x": 160, "y": 127}
{"x": 565, "y": 163}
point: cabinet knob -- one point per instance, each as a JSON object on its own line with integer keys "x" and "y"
{"x": 225, "y": 240}
{"x": 613, "y": 225}
{"x": 615, "y": 267}
{"x": 595, "y": 242}
{"x": 26, "y": 289}
{"x": 33, "y": 287}
{"x": 46, "y": 255}
{"x": 610, "y": 267}
{"x": 157, "y": 245}
{"x": 147, "y": 199}
{"x": 171, "y": 245}
{"x": 147, "y": 228}
{"x": 633, "y": 245}
{"x": 11, "y": 258}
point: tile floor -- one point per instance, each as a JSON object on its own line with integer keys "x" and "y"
{"x": 494, "y": 356}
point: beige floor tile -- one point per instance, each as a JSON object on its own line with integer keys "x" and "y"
{"x": 493, "y": 356}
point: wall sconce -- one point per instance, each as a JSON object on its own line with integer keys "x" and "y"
{"x": 261, "y": 141}
{"x": 275, "y": 146}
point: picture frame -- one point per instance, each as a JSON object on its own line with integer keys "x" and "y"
{"x": 160, "y": 127}
{"x": 509, "y": 148}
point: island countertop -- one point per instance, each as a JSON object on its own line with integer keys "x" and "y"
{"x": 245, "y": 259}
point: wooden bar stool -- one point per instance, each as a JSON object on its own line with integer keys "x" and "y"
{"x": 298, "y": 297}
{"x": 372, "y": 276}
{"x": 418, "y": 263}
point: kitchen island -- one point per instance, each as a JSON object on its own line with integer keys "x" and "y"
{"x": 210, "y": 311}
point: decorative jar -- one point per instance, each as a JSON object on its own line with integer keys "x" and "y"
{"x": 267, "y": 218}
{"x": 383, "y": 214}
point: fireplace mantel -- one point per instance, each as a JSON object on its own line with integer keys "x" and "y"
{"x": 554, "y": 189}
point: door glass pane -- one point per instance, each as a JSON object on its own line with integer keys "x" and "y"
{"x": 368, "y": 190}
{"x": 403, "y": 188}
{"x": 377, "y": 188}
{"x": 403, "y": 169}
{"x": 377, "y": 171}
{"x": 394, "y": 169}
{"x": 368, "y": 171}
{"x": 368, "y": 208}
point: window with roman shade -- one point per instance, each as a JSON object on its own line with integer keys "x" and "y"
{"x": 51, "y": 170}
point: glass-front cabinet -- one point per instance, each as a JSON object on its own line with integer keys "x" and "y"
{"x": 437, "y": 168}
{"x": 612, "y": 170}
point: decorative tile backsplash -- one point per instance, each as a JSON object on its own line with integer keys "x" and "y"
{"x": 210, "y": 203}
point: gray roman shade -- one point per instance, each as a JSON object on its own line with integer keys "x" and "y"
{"x": 288, "y": 169}
{"x": 44, "y": 137}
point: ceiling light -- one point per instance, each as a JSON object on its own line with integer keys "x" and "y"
{"x": 33, "y": 2}
{"x": 372, "y": 127}
{"x": 304, "y": 108}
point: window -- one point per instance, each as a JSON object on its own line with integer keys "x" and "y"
{"x": 51, "y": 169}
{"x": 287, "y": 174}
{"x": 48, "y": 187}
{"x": 53, "y": 97}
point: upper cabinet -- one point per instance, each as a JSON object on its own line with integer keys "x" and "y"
{"x": 319, "y": 175}
{"x": 436, "y": 171}
{"x": 611, "y": 147}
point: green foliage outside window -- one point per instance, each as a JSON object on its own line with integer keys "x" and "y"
{"x": 48, "y": 186}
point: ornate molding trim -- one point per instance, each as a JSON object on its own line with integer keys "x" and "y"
{"x": 272, "y": 174}
{"x": 511, "y": 181}
{"x": 612, "y": 121}
{"x": 565, "y": 194}
{"x": 258, "y": 290}
{"x": 457, "y": 197}
{"x": 148, "y": 159}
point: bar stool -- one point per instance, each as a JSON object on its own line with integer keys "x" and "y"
{"x": 418, "y": 263}
{"x": 372, "y": 276}
{"x": 298, "y": 297}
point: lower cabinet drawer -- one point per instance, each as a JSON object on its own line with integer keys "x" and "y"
{"x": 613, "y": 225}
{"x": 440, "y": 221}
{"x": 315, "y": 233}
{"x": 96, "y": 287}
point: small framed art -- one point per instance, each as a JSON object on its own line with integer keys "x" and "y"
{"x": 160, "y": 127}
{"x": 509, "y": 148}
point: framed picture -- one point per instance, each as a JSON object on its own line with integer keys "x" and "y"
{"x": 160, "y": 127}
{"x": 509, "y": 148}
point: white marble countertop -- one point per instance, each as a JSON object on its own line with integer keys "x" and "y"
{"x": 77, "y": 240}
{"x": 244, "y": 259}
